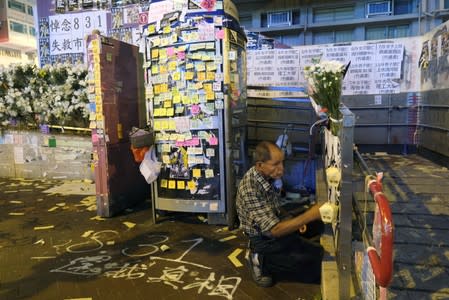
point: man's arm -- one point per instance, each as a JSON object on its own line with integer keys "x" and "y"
{"x": 291, "y": 225}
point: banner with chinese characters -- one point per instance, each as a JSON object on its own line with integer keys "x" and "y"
{"x": 376, "y": 67}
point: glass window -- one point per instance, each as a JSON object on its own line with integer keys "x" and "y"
{"x": 30, "y": 10}
{"x": 375, "y": 8}
{"x": 398, "y": 31}
{"x": 32, "y": 31}
{"x": 246, "y": 21}
{"x": 323, "y": 15}
{"x": 342, "y": 36}
{"x": 331, "y": 37}
{"x": 263, "y": 20}
{"x": 279, "y": 18}
{"x": 402, "y": 7}
{"x": 375, "y": 33}
{"x": 16, "y": 5}
{"x": 446, "y": 3}
{"x": 325, "y": 37}
{"x": 384, "y": 32}
{"x": 17, "y": 27}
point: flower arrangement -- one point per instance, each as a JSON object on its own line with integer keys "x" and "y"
{"x": 54, "y": 94}
{"x": 325, "y": 83}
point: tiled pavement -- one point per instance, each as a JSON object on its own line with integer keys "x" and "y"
{"x": 418, "y": 191}
{"x": 52, "y": 246}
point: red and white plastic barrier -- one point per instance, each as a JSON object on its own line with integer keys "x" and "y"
{"x": 381, "y": 255}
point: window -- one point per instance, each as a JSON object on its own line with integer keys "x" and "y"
{"x": 446, "y": 3}
{"x": 32, "y": 30}
{"x": 30, "y": 10}
{"x": 295, "y": 17}
{"x": 16, "y": 5}
{"x": 246, "y": 21}
{"x": 17, "y": 27}
{"x": 279, "y": 18}
{"x": 378, "y": 8}
{"x": 263, "y": 20}
{"x": 402, "y": 7}
{"x": 331, "y": 37}
{"x": 323, "y": 15}
{"x": 386, "y": 32}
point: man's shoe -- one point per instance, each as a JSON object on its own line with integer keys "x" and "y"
{"x": 255, "y": 268}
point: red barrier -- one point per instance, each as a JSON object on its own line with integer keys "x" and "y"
{"x": 382, "y": 259}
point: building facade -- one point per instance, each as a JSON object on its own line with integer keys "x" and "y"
{"x": 17, "y": 31}
{"x": 306, "y": 22}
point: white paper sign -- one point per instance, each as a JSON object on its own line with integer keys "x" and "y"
{"x": 67, "y": 31}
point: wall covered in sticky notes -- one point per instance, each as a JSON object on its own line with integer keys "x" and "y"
{"x": 185, "y": 61}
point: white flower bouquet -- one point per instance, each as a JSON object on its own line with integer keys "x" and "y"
{"x": 325, "y": 81}
{"x": 50, "y": 95}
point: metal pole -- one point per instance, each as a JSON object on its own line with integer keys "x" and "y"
{"x": 344, "y": 237}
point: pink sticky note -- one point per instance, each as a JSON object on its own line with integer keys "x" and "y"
{"x": 213, "y": 140}
{"x": 181, "y": 55}
{"x": 195, "y": 109}
{"x": 220, "y": 34}
{"x": 170, "y": 51}
{"x": 94, "y": 138}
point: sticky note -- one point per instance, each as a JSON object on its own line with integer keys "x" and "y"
{"x": 164, "y": 183}
{"x": 129, "y": 224}
{"x": 196, "y": 173}
{"x": 209, "y": 173}
{"x": 195, "y": 109}
{"x": 210, "y": 152}
{"x": 213, "y": 140}
{"x": 191, "y": 185}
{"x": 220, "y": 34}
{"x": 181, "y": 185}
{"x": 172, "y": 184}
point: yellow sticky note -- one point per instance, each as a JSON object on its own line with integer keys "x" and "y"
{"x": 157, "y": 125}
{"x": 170, "y": 112}
{"x": 168, "y": 104}
{"x": 129, "y": 224}
{"x": 186, "y": 99}
{"x": 189, "y": 75}
{"x": 176, "y": 76}
{"x": 196, "y": 173}
{"x": 210, "y": 76}
{"x": 172, "y": 65}
{"x": 172, "y": 184}
{"x": 162, "y": 53}
{"x": 167, "y": 29}
{"x": 210, "y": 96}
{"x": 157, "y": 89}
{"x": 162, "y": 69}
{"x": 201, "y": 76}
{"x": 151, "y": 28}
{"x": 191, "y": 185}
{"x": 164, "y": 88}
{"x": 154, "y": 53}
{"x": 166, "y": 159}
{"x": 164, "y": 183}
{"x": 154, "y": 69}
{"x": 171, "y": 124}
{"x": 181, "y": 185}
{"x": 177, "y": 99}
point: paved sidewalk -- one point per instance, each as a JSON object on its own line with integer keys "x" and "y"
{"x": 52, "y": 246}
{"x": 418, "y": 193}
